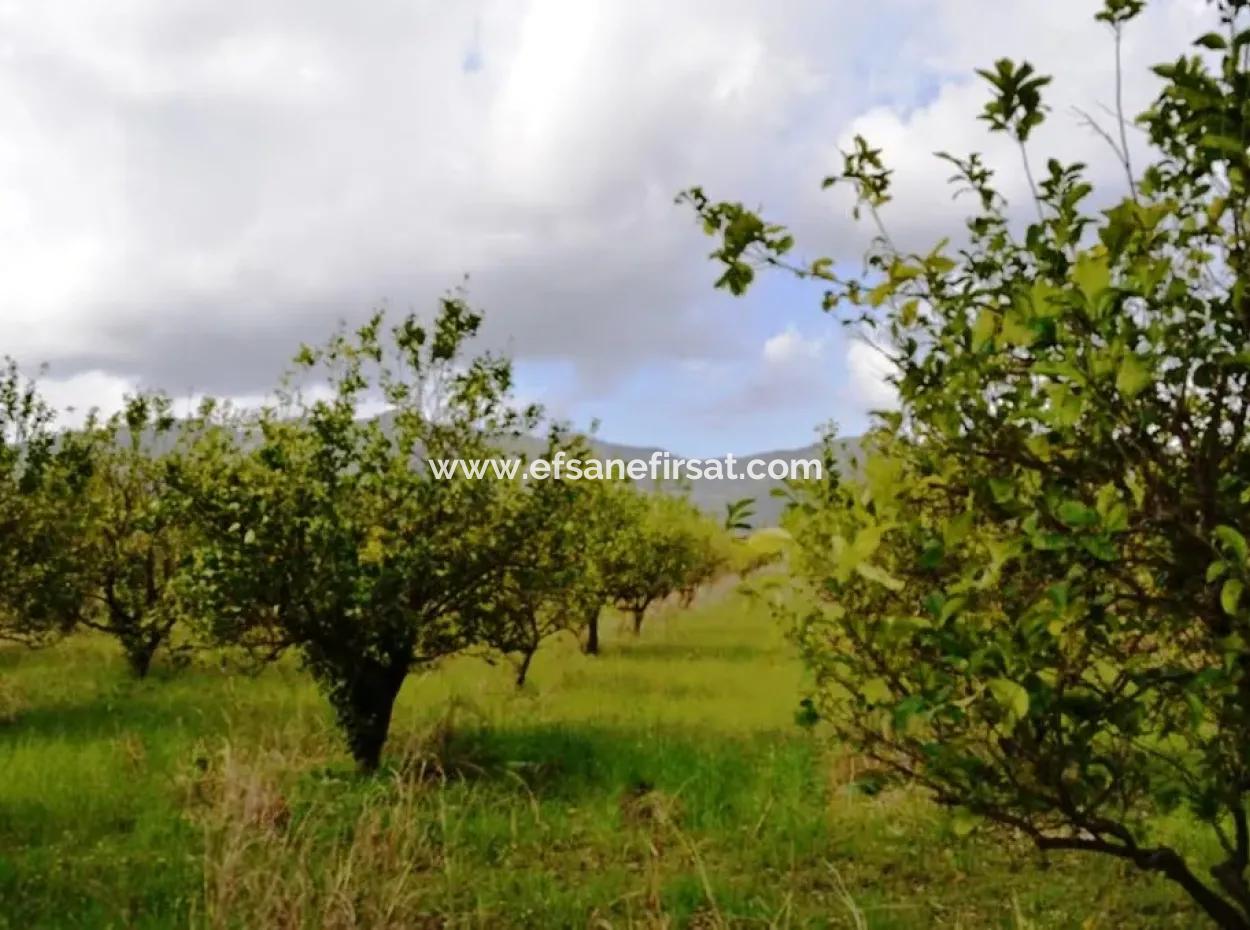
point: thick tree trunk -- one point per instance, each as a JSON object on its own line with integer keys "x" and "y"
{"x": 139, "y": 654}
{"x": 592, "y": 634}
{"x": 639, "y": 614}
{"x": 365, "y": 705}
{"x": 140, "y": 661}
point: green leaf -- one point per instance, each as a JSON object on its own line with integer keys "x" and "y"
{"x": 952, "y": 607}
{"x": 1230, "y": 595}
{"x": 1233, "y": 541}
{"x": 1013, "y": 697}
{"x": 1016, "y": 332}
{"x": 1213, "y": 41}
{"x": 931, "y": 555}
{"x": 879, "y": 575}
{"x": 1115, "y": 520}
{"x": 876, "y": 691}
{"x": 1100, "y": 547}
{"x": 983, "y": 329}
{"x": 1003, "y": 489}
{"x": 956, "y": 529}
{"x": 1134, "y": 375}
{"x": 1227, "y": 144}
{"x": 1092, "y": 275}
{"x": 1077, "y": 515}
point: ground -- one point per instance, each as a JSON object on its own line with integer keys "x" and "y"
{"x": 663, "y": 784}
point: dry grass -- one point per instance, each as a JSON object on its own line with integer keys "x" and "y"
{"x": 265, "y": 867}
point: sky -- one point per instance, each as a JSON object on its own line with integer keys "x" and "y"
{"x": 190, "y": 189}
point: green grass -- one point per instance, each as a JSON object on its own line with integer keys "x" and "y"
{"x": 662, "y": 784}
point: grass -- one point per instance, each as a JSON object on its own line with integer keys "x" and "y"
{"x": 663, "y": 784}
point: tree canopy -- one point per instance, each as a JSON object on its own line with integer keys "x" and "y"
{"x": 324, "y": 532}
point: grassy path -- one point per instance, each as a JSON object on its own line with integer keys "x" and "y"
{"x": 663, "y": 784}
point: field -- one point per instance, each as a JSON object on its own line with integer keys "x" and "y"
{"x": 665, "y": 783}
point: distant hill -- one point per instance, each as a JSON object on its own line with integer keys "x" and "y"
{"x": 711, "y": 494}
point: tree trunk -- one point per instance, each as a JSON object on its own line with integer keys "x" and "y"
{"x": 524, "y": 668}
{"x": 139, "y": 655}
{"x": 364, "y": 706}
{"x": 592, "y": 634}
{"x": 639, "y": 613}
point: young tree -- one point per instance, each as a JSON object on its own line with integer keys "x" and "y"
{"x": 1034, "y": 597}
{"x": 609, "y": 515}
{"x": 665, "y": 546}
{"x": 551, "y": 584}
{"x": 135, "y": 539}
{"x": 329, "y": 533}
{"x": 709, "y": 554}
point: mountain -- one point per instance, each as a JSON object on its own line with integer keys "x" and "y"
{"x": 713, "y": 494}
{"x": 709, "y": 494}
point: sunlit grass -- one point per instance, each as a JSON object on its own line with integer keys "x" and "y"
{"x": 664, "y": 783}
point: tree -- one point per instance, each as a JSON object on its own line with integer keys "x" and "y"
{"x": 93, "y": 533}
{"x": 1032, "y": 599}
{"x": 709, "y": 553}
{"x": 41, "y": 481}
{"x": 665, "y": 545}
{"x": 610, "y": 519}
{"x": 328, "y": 533}
{"x": 551, "y": 584}
{"x": 135, "y": 540}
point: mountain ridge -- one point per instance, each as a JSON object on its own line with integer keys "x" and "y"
{"x": 713, "y": 494}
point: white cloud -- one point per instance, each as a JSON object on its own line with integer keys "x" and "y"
{"x": 188, "y": 191}
{"x": 868, "y": 371}
{"x": 73, "y": 398}
{"x": 1061, "y": 39}
{"x": 790, "y": 347}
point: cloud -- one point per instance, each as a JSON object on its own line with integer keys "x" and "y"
{"x": 789, "y": 347}
{"x": 76, "y": 396}
{"x": 1060, "y": 39}
{"x": 189, "y": 191}
{"x": 868, "y": 372}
